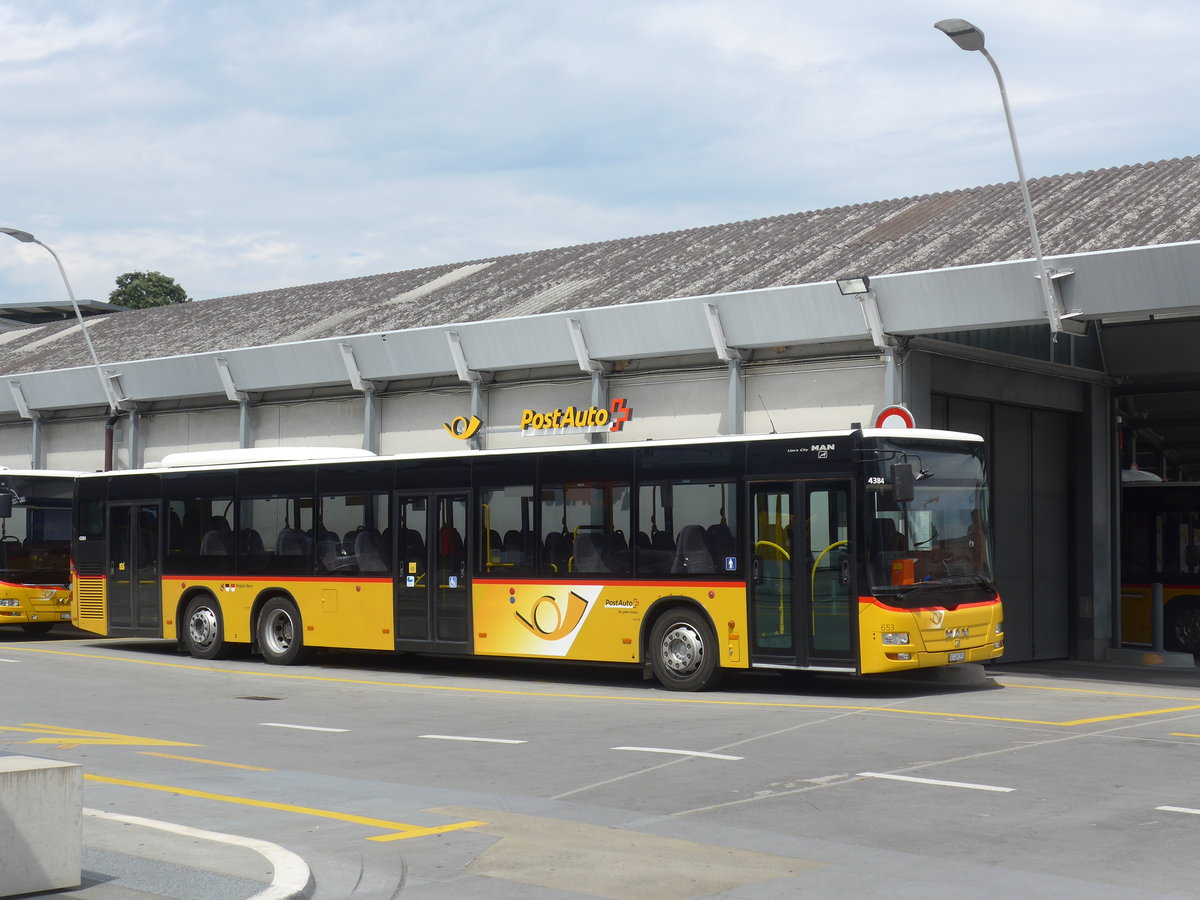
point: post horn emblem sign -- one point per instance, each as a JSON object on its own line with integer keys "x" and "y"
{"x": 462, "y": 428}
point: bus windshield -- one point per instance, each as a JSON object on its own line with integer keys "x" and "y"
{"x": 937, "y": 541}
{"x": 35, "y": 541}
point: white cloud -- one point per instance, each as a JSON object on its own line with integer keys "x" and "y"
{"x": 240, "y": 147}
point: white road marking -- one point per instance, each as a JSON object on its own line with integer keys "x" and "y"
{"x": 680, "y": 752}
{"x": 481, "y": 740}
{"x": 9, "y": 660}
{"x": 291, "y": 876}
{"x": 301, "y": 727}
{"x": 1179, "y": 809}
{"x": 957, "y": 784}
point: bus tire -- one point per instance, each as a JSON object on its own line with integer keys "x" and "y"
{"x": 204, "y": 629}
{"x": 36, "y": 627}
{"x": 281, "y": 633}
{"x": 683, "y": 651}
{"x": 1181, "y": 630}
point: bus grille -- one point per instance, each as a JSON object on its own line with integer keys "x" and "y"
{"x": 89, "y": 592}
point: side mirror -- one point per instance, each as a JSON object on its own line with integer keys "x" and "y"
{"x": 5, "y": 505}
{"x": 903, "y": 483}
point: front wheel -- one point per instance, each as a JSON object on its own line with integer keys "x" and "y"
{"x": 203, "y": 629}
{"x": 281, "y": 634}
{"x": 683, "y": 651}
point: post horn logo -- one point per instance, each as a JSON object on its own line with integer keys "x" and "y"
{"x": 549, "y": 621}
{"x": 462, "y": 427}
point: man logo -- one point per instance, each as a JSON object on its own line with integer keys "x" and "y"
{"x": 462, "y": 427}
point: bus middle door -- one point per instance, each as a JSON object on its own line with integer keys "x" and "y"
{"x": 432, "y": 586}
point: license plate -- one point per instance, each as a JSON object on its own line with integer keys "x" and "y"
{"x": 958, "y": 657}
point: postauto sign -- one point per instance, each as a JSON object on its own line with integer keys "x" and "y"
{"x": 568, "y": 420}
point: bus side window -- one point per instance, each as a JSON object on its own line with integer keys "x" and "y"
{"x": 506, "y": 543}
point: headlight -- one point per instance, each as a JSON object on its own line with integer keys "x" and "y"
{"x": 895, "y": 637}
{"x": 9, "y": 601}
{"x": 999, "y": 628}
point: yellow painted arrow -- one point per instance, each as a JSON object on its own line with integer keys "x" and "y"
{"x": 68, "y": 738}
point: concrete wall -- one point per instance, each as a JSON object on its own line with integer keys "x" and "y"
{"x": 814, "y": 396}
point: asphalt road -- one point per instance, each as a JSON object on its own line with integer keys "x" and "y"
{"x": 436, "y": 778}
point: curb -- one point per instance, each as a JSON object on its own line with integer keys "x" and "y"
{"x": 293, "y": 879}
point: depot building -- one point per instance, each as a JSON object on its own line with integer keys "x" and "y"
{"x": 813, "y": 321}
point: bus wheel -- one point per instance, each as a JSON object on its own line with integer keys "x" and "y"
{"x": 1182, "y": 631}
{"x": 37, "y": 627}
{"x": 683, "y": 651}
{"x": 203, "y": 630}
{"x": 281, "y": 634}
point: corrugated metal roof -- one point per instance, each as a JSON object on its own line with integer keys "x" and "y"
{"x": 1129, "y": 206}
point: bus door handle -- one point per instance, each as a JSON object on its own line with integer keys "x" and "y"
{"x": 756, "y": 569}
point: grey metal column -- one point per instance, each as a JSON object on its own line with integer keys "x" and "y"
{"x": 242, "y": 399}
{"x": 735, "y": 415}
{"x": 595, "y": 368}
{"x": 886, "y": 344}
{"x": 37, "y": 453}
{"x": 471, "y": 377}
{"x": 135, "y": 439}
{"x": 369, "y": 389}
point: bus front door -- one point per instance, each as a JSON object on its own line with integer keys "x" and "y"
{"x": 432, "y": 586}
{"x": 802, "y": 594}
{"x": 133, "y": 583}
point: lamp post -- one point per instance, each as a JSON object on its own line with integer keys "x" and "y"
{"x": 26, "y": 238}
{"x": 968, "y": 37}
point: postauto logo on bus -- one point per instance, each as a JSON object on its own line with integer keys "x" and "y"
{"x": 559, "y": 421}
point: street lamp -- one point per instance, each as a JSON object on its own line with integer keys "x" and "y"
{"x": 968, "y": 37}
{"x": 26, "y": 238}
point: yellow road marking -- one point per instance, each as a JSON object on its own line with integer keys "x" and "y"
{"x": 1182, "y": 734}
{"x": 207, "y": 762}
{"x": 401, "y": 830}
{"x": 704, "y": 701}
{"x": 1071, "y": 690}
{"x": 69, "y": 738}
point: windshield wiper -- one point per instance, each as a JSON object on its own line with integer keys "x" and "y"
{"x": 972, "y": 579}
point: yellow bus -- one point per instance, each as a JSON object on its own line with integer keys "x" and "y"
{"x": 35, "y": 548}
{"x": 860, "y": 551}
{"x": 1160, "y": 544}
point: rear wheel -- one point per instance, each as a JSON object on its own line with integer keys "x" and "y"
{"x": 37, "y": 627}
{"x": 1181, "y": 631}
{"x": 203, "y": 628}
{"x": 281, "y": 633}
{"x": 683, "y": 651}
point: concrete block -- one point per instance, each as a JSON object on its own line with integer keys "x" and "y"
{"x": 41, "y": 825}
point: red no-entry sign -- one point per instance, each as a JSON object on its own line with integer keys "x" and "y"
{"x": 895, "y": 417}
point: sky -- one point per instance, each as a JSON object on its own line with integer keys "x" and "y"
{"x": 251, "y": 145}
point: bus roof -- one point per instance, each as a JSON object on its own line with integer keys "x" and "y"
{"x": 280, "y": 456}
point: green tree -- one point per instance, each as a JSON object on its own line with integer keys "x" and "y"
{"x": 141, "y": 290}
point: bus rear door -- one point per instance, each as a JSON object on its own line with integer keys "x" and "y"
{"x": 133, "y": 583}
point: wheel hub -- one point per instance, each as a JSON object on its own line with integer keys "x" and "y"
{"x": 279, "y": 631}
{"x": 682, "y": 649}
{"x": 202, "y": 626}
